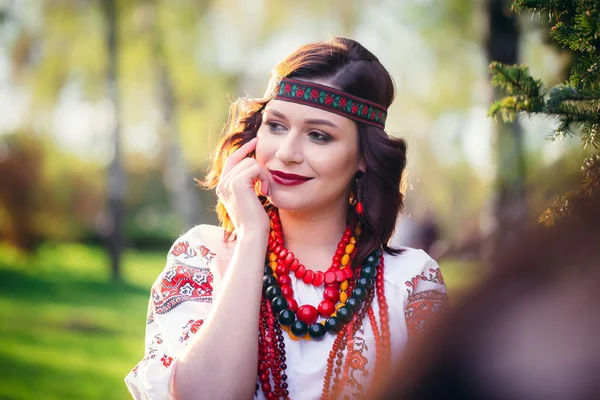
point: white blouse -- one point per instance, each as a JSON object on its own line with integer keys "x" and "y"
{"x": 183, "y": 294}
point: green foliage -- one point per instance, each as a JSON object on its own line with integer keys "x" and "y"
{"x": 525, "y": 93}
{"x": 45, "y": 193}
{"x": 575, "y": 105}
{"x": 563, "y": 206}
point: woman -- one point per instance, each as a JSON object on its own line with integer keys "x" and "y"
{"x": 297, "y": 294}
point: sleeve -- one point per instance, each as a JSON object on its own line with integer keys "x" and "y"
{"x": 426, "y": 298}
{"x": 180, "y": 300}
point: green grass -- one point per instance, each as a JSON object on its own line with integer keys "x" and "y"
{"x": 67, "y": 332}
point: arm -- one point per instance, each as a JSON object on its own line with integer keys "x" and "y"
{"x": 221, "y": 360}
{"x": 427, "y": 297}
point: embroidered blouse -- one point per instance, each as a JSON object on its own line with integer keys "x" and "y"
{"x": 183, "y": 293}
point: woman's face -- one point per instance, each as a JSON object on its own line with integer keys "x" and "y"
{"x": 311, "y": 156}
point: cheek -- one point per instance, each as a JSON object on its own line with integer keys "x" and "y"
{"x": 262, "y": 148}
{"x": 338, "y": 165}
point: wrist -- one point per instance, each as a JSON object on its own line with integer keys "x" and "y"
{"x": 254, "y": 237}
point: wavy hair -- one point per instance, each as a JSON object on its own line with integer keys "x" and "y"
{"x": 346, "y": 64}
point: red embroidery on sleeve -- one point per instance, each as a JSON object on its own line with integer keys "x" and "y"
{"x": 422, "y": 308}
{"x": 183, "y": 248}
{"x": 181, "y": 283}
{"x": 435, "y": 276}
{"x": 166, "y": 360}
{"x": 190, "y": 328}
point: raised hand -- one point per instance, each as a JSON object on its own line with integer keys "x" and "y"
{"x": 236, "y": 190}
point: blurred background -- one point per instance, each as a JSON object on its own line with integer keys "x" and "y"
{"x": 110, "y": 108}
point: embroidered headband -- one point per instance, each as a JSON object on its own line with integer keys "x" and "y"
{"x": 330, "y": 99}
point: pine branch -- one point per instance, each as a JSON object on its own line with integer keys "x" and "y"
{"x": 591, "y": 137}
{"x": 515, "y": 79}
{"x": 526, "y": 92}
{"x": 563, "y": 206}
{"x": 574, "y": 24}
{"x": 585, "y": 73}
{"x": 539, "y": 5}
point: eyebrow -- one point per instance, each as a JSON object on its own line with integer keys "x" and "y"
{"x": 308, "y": 121}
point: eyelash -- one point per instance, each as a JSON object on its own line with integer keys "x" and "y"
{"x": 320, "y": 136}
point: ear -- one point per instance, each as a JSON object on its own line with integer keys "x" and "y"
{"x": 361, "y": 165}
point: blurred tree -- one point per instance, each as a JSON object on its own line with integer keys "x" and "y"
{"x": 509, "y": 204}
{"x": 45, "y": 194}
{"x": 184, "y": 196}
{"x": 21, "y": 159}
{"x": 574, "y": 104}
{"x": 116, "y": 178}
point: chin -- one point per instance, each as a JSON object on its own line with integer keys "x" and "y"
{"x": 299, "y": 203}
{"x": 289, "y": 201}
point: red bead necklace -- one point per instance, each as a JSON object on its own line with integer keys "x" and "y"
{"x": 272, "y": 357}
{"x": 335, "y": 278}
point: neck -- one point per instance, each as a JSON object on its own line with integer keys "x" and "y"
{"x": 314, "y": 231}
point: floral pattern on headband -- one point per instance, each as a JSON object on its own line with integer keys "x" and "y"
{"x": 331, "y": 99}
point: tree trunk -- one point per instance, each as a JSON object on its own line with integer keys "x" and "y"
{"x": 179, "y": 182}
{"x": 116, "y": 177}
{"x": 509, "y": 205}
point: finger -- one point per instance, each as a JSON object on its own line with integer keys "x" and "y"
{"x": 261, "y": 183}
{"x": 238, "y": 155}
{"x": 263, "y": 179}
{"x": 250, "y": 175}
{"x": 236, "y": 170}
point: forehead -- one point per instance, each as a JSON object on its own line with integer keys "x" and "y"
{"x": 299, "y": 112}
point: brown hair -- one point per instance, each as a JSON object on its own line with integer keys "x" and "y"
{"x": 346, "y": 64}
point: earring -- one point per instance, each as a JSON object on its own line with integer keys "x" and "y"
{"x": 359, "y": 197}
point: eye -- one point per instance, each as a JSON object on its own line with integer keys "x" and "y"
{"x": 274, "y": 126}
{"x": 319, "y": 137}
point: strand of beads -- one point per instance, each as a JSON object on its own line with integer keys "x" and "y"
{"x": 301, "y": 321}
{"x": 280, "y": 257}
{"x": 383, "y": 318}
{"x": 271, "y": 357}
{"x": 371, "y": 279}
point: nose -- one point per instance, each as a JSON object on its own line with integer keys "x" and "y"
{"x": 290, "y": 149}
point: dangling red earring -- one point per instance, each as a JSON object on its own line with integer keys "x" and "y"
{"x": 360, "y": 210}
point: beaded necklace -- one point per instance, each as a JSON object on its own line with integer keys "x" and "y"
{"x": 353, "y": 292}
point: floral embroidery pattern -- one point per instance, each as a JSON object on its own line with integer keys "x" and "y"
{"x": 181, "y": 283}
{"x": 421, "y": 310}
{"x": 435, "y": 276}
{"x": 150, "y": 351}
{"x": 166, "y": 360}
{"x": 183, "y": 248}
{"x": 150, "y": 316}
{"x": 150, "y": 354}
{"x": 357, "y": 366}
{"x": 206, "y": 254}
{"x": 357, "y": 360}
{"x": 190, "y": 328}
{"x": 331, "y": 99}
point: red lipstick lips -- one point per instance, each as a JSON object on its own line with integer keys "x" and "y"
{"x": 288, "y": 179}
